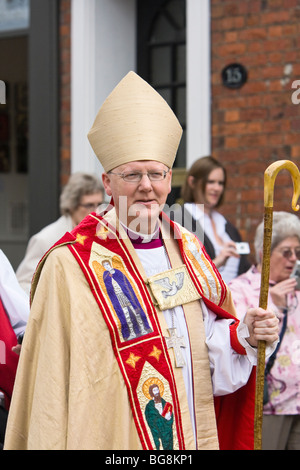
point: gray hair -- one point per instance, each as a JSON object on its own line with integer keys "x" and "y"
{"x": 284, "y": 225}
{"x": 79, "y": 184}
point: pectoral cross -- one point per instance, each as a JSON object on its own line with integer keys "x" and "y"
{"x": 176, "y": 343}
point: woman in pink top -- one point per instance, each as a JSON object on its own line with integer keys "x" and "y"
{"x": 281, "y": 423}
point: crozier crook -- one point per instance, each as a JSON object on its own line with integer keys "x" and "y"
{"x": 269, "y": 180}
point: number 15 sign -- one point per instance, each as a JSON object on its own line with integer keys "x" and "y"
{"x": 234, "y": 76}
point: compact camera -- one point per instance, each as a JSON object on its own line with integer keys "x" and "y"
{"x": 242, "y": 248}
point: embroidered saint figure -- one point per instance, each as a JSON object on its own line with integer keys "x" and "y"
{"x": 159, "y": 416}
{"x": 132, "y": 317}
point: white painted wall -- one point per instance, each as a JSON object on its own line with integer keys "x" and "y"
{"x": 198, "y": 80}
{"x": 115, "y": 45}
{"x": 103, "y": 51}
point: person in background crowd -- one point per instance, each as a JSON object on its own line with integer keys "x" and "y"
{"x": 281, "y": 421}
{"x": 203, "y": 193}
{"x": 82, "y": 194}
{"x": 14, "y": 312}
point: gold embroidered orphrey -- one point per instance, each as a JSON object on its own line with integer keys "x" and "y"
{"x": 172, "y": 288}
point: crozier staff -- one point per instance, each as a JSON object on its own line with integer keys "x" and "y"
{"x": 76, "y": 366}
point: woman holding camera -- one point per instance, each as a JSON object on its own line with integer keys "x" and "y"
{"x": 281, "y": 422}
{"x": 203, "y": 193}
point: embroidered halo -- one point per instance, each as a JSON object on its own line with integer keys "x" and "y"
{"x": 152, "y": 381}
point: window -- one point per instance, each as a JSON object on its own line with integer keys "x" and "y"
{"x": 162, "y": 56}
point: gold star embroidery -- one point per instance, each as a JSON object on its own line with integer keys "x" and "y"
{"x": 156, "y": 353}
{"x": 132, "y": 359}
{"x": 80, "y": 238}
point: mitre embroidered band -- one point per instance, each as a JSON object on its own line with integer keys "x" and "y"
{"x": 131, "y": 312}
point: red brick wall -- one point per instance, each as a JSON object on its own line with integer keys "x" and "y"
{"x": 258, "y": 123}
{"x": 65, "y": 89}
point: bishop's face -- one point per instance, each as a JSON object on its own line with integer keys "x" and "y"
{"x": 139, "y": 203}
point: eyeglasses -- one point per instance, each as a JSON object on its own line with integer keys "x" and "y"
{"x": 136, "y": 176}
{"x": 91, "y": 205}
{"x": 288, "y": 252}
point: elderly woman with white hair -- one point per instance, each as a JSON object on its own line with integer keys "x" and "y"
{"x": 281, "y": 422}
{"x": 82, "y": 195}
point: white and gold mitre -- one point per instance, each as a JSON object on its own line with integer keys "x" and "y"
{"x": 134, "y": 123}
